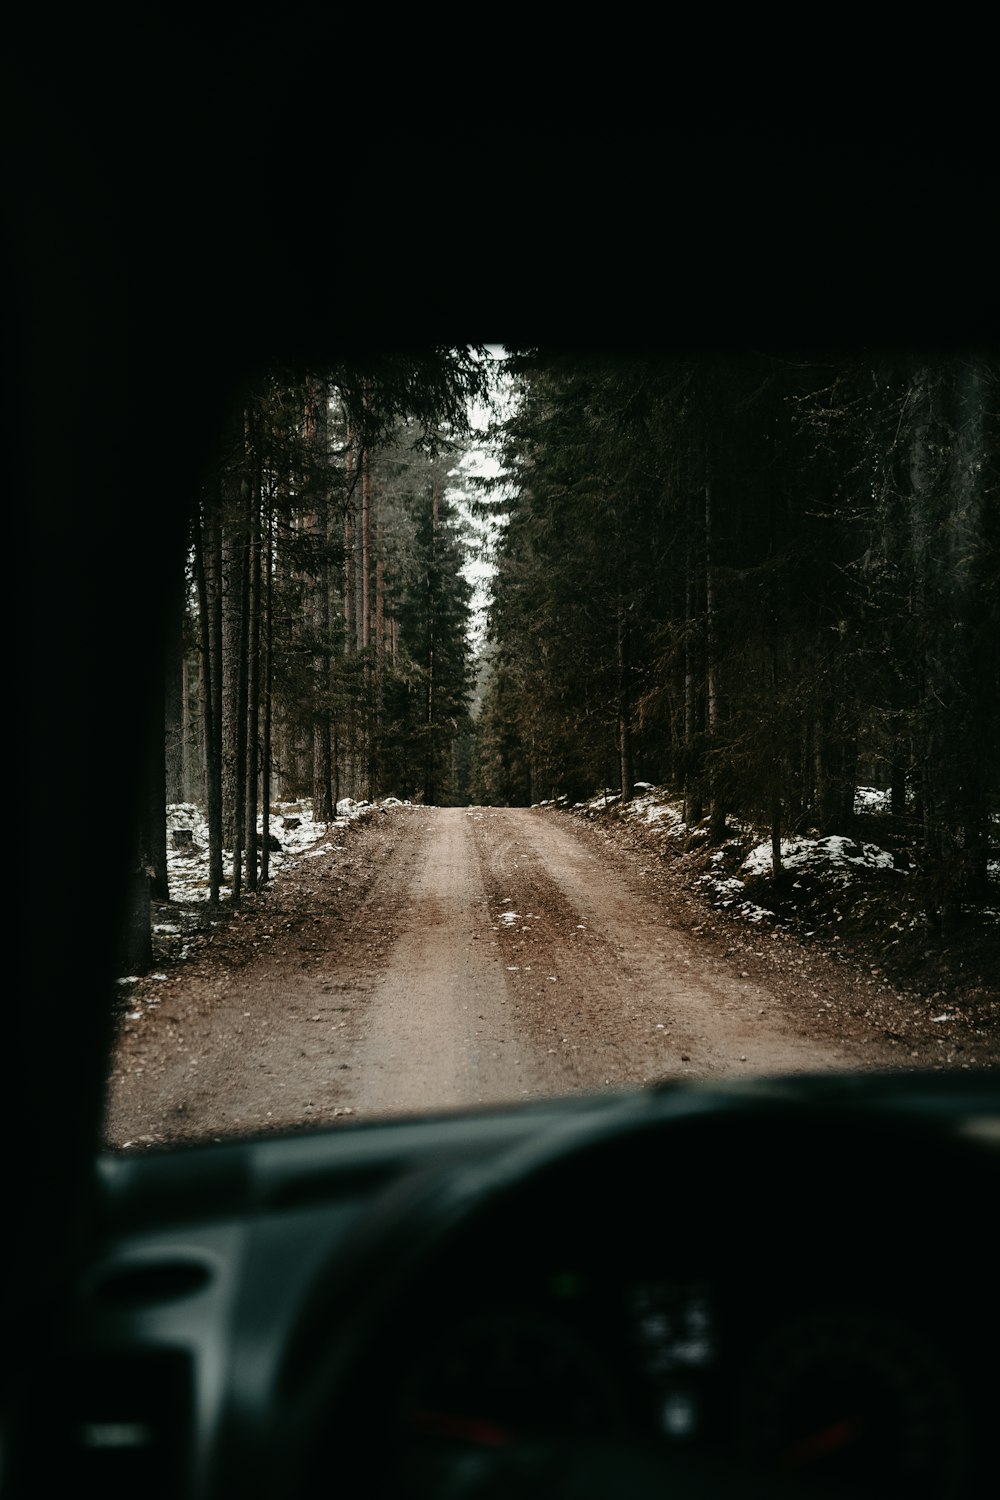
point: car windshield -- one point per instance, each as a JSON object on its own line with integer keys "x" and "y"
{"x": 540, "y": 722}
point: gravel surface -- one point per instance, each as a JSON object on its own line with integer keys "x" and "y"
{"x": 449, "y": 958}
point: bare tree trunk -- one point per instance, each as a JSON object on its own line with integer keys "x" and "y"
{"x": 898, "y": 768}
{"x": 186, "y": 731}
{"x": 208, "y": 567}
{"x": 237, "y": 491}
{"x": 711, "y": 671}
{"x": 366, "y": 551}
{"x": 366, "y": 618}
{"x": 717, "y": 823}
{"x": 156, "y": 846}
{"x": 694, "y": 809}
{"x": 253, "y": 676}
{"x": 624, "y": 722}
{"x": 174, "y": 707}
{"x": 318, "y": 523}
{"x": 430, "y": 773}
{"x": 923, "y": 477}
{"x": 350, "y": 612}
{"x": 376, "y": 668}
{"x": 268, "y": 692}
{"x": 380, "y": 601}
{"x": 233, "y": 591}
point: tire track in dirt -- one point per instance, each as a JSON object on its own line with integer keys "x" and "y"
{"x": 608, "y": 986}
{"x": 256, "y": 1031}
{"x": 441, "y": 958}
{"x": 437, "y": 1032}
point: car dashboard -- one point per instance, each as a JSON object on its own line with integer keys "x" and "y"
{"x": 782, "y": 1286}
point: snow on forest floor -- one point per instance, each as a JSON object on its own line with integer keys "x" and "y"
{"x": 291, "y": 825}
{"x": 744, "y": 861}
{"x": 297, "y": 835}
{"x": 861, "y": 895}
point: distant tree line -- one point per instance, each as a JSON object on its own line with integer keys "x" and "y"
{"x": 759, "y": 579}
{"x": 320, "y": 644}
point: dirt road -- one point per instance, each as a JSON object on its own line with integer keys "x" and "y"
{"x": 522, "y": 965}
{"x": 481, "y": 955}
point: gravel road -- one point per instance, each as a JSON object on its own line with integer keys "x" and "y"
{"x": 446, "y": 958}
{"x": 523, "y": 964}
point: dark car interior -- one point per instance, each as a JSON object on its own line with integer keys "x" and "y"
{"x": 736, "y": 1290}
{"x": 771, "y": 1287}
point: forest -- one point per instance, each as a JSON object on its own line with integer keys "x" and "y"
{"x": 319, "y": 645}
{"x": 760, "y": 579}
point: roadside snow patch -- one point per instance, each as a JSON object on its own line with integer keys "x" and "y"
{"x": 834, "y": 850}
{"x": 291, "y": 824}
{"x": 869, "y": 799}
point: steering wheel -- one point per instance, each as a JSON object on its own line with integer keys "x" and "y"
{"x": 767, "y": 1199}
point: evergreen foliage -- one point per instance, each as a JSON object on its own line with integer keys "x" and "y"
{"x": 753, "y": 577}
{"x": 329, "y": 615}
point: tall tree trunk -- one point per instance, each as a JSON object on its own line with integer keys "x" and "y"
{"x": 694, "y": 809}
{"x": 233, "y": 662}
{"x": 366, "y": 550}
{"x": 136, "y": 953}
{"x": 717, "y": 821}
{"x": 430, "y": 778}
{"x": 235, "y": 676}
{"x": 208, "y": 567}
{"x": 319, "y": 525}
{"x": 166, "y": 772}
{"x": 253, "y": 662}
{"x": 156, "y": 845}
{"x": 898, "y": 768}
{"x": 380, "y": 603}
{"x": 776, "y": 793}
{"x": 776, "y": 837}
{"x": 350, "y": 577}
{"x": 174, "y": 706}
{"x": 148, "y": 873}
{"x": 975, "y": 455}
{"x": 187, "y": 726}
{"x": 268, "y": 691}
{"x": 624, "y": 720}
{"x": 924, "y": 477}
